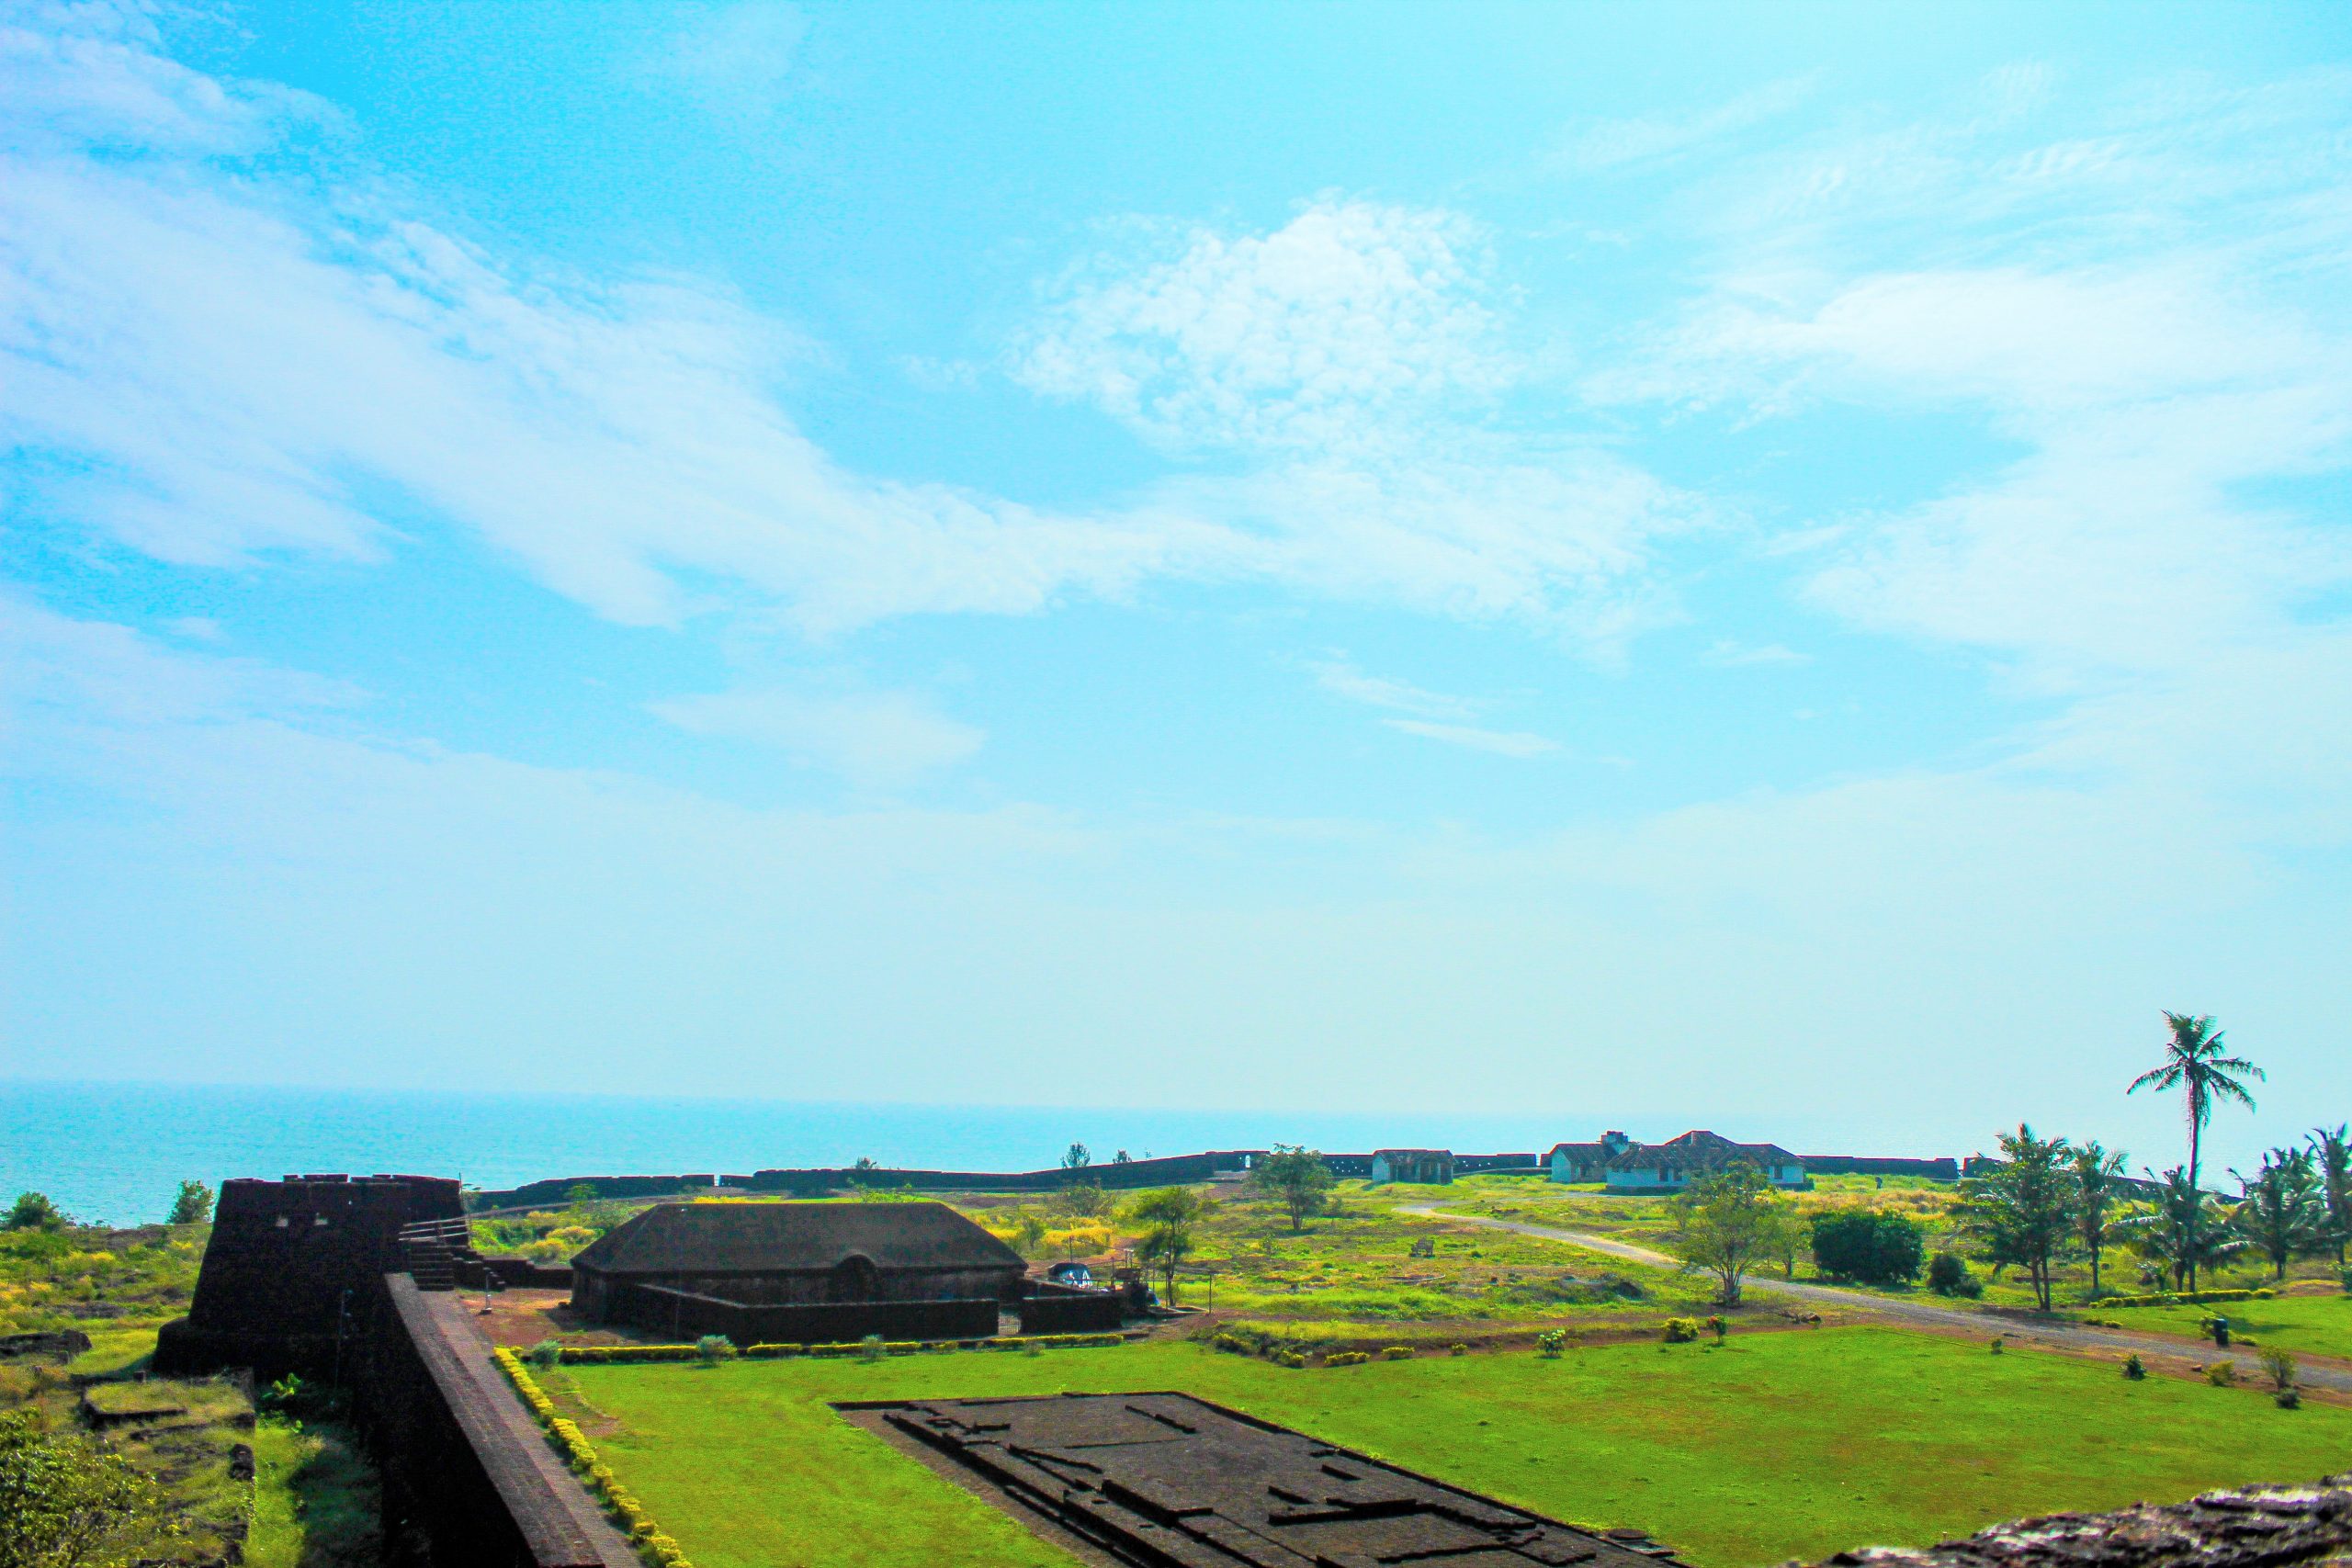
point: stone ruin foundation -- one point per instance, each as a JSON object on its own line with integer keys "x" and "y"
{"x": 1168, "y": 1481}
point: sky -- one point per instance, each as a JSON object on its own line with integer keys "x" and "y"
{"x": 1748, "y": 566}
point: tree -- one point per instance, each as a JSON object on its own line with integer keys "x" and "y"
{"x": 1084, "y": 1199}
{"x": 1077, "y": 1158}
{"x": 1875, "y": 1248}
{"x": 193, "y": 1206}
{"x": 2187, "y": 1230}
{"x": 2022, "y": 1209}
{"x": 1726, "y": 1222}
{"x": 1031, "y": 1230}
{"x": 65, "y": 1502}
{"x": 2193, "y": 1064}
{"x": 1122, "y": 1157}
{"x": 2281, "y": 1214}
{"x": 1169, "y": 1217}
{"x": 1295, "y": 1178}
{"x": 2332, "y": 1160}
{"x": 2095, "y": 1172}
{"x": 34, "y": 1211}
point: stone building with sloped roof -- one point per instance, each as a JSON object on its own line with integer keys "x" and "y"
{"x": 1672, "y": 1165}
{"x": 809, "y": 1272}
{"x": 1429, "y": 1168}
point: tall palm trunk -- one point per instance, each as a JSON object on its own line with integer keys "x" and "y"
{"x": 2197, "y": 1206}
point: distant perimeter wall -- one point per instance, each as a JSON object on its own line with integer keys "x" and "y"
{"x": 1943, "y": 1168}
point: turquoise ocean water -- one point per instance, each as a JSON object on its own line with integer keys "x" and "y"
{"x": 117, "y": 1151}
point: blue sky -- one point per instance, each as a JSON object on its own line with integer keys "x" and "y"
{"x": 1735, "y": 564}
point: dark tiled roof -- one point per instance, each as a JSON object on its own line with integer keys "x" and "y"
{"x": 1696, "y": 1149}
{"x": 731, "y": 1238}
{"x": 1413, "y": 1154}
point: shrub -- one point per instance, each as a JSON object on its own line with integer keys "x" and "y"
{"x": 1347, "y": 1359}
{"x": 2281, "y": 1365}
{"x": 1875, "y": 1247}
{"x": 1457, "y": 1349}
{"x": 1998, "y": 1347}
{"x": 1948, "y": 1275}
{"x": 714, "y": 1349}
{"x": 2288, "y": 1398}
{"x": 1397, "y": 1353}
{"x": 1719, "y": 1326}
{"x": 1292, "y": 1359}
{"x": 1551, "y": 1342}
{"x": 870, "y": 1347}
{"x": 34, "y": 1211}
{"x": 1682, "y": 1330}
{"x": 2134, "y": 1368}
{"x": 2223, "y": 1374}
{"x": 546, "y": 1355}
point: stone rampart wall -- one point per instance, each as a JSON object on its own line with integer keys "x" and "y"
{"x": 686, "y": 1315}
{"x": 1944, "y": 1168}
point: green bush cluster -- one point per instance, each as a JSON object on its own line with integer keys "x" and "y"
{"x": 1347, "y": 1359}
{"x": 1875, "y": 1247}
{"x": 658, "y": 1549}
{"x": 1397, "y": 1353}
{"x": 1291, "y": 1358}
{"x": 1682, "y": 1330}
{"x": 2188, "y": 1298}
{"x": 1948, "y": 1275}
{"x": 1551, "y": 1342}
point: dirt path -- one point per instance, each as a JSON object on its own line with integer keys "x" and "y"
{"x": 2316, "y": 1372}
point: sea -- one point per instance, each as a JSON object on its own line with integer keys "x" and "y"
{"x": 116, "y": 1153}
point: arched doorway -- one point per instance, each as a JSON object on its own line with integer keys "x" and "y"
{"x": 856, "y": 1280}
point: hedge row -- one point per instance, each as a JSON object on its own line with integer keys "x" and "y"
{"x": 2184, "y": 1298}
{"x": 605, "y": 1355}
{"x": 658, "y": 1549}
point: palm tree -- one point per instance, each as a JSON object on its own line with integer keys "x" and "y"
{"x": 2282, "y": 1214}
{"x": 2331, "y": 1158}
{"x": 2187, "y": 1229}
{"x": 2193, "y": 1064}
{"x": 2095, "y": 1172}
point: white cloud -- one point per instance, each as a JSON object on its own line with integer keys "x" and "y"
{"x": 883, "y": 737}
{"x": 1308, "y": 337}
{"x": 1726, "y": 654}
{"x": 1611, "y": 144}
{"x": 2145, "y": 399}
{"x": 1501, "y": 742}
{"x": 218, "y": 359}
{"x": 1342, "y": 679}
{"x": 732, "y": 58}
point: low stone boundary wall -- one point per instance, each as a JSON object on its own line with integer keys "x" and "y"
{"x": 663, "y": 1310}
{"x": 1072, "y": 1311}
{"x": 1943, "y": 1168}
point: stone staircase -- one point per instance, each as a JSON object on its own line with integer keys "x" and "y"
{"x": 432, "y": 1251}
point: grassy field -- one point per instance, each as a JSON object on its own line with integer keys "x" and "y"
{"x": 2319, "y": 1326}
{"x": 1775, "y": 1446}
{"x": 1650, "y": 1221}
{"x": 315, "y": 1499}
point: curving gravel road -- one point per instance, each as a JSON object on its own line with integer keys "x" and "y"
{"x": 2314, "y": 1372}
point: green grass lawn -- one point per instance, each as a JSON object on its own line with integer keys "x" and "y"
{"x": 315, "y": 1499}
{"x": 2321, "y": 1326}
{"x": 1775, "y": 1446}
